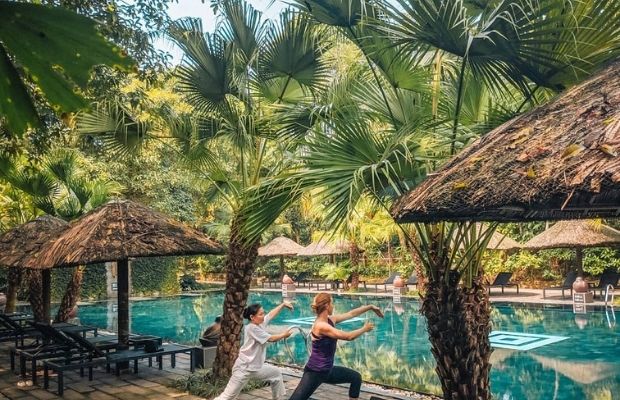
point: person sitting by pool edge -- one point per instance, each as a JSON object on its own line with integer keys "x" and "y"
{"x": 250, "y": 363}
{"x": 212, "y": 333}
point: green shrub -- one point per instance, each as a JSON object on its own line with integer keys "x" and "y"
{"x": 202, "y": 384}
{"x": 157, "y": 274}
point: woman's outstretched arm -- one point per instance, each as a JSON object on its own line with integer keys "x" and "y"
{"x": 330, "y": 331}
{"x": 356, "y": 312}
{"x": 273, "y": 313}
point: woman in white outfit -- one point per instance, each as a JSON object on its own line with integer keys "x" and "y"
{"x": 251, "y": 361}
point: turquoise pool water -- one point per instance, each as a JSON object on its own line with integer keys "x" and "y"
{"x": 540, "y": 353}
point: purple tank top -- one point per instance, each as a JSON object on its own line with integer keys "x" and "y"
{"x": 323, "y": 351}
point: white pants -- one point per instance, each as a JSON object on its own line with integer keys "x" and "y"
{"x": 240, "y": 377}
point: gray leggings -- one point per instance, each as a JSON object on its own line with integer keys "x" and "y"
{"x": 311, "y": 380}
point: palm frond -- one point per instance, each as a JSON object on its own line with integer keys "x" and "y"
{"x": 293, "y": 53}
{"x": 119, "y": 131}
{"x": 205, "y": 75}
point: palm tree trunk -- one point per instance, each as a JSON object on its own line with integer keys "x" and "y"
{"x": 354, "y": 255}
{"x": 35, "y": 296}
{"x": 458, "y": 321}
{"x": 240, "y": 264}
{"x": 71, "y": 297}
{"x": 13, "y": 280}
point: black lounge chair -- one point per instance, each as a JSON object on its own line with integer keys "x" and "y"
{"x": 349, "y": 280}
{"x": 118, "y": 357}
{"x": 503, "y": 280}
{"x": 302, "y": 279}
{"x": 567, "y": 285}
{"x": 59, "y": 343}
{"x": 388, "y": 281}
{"x": 413, "y": 281}
{"x": 609, "y": 277}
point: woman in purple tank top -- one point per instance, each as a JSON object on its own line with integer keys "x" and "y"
{"x": 320, "y": 367}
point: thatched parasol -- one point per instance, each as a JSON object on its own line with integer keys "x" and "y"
{"x": 280, "y": 247}
{"x": 500, "y": 241}
{"x": 117, "y": 231}
{"x": 583, "y": 372}
{"x": 557, "y": 161}
{"x": 23, "y": 240}
{"x": 577, "y": 234}
{"x": 324, "y": 248}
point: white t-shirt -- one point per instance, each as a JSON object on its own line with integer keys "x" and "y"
{"x": 254, "y": 350}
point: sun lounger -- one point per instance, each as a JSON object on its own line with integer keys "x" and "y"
{"x": 388, "y": 281}
{"x": 609, "y": 277}
{"x": 566, "y": 285}
{"x": 413, "y": 281}
{"x": 118, "y": 357}
{"x": 503, "y": 280}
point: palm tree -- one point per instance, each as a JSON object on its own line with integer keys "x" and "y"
{"x": 57, "y": 188}
{"x": 240, "y": 80}
{"x": 488, "y": 61}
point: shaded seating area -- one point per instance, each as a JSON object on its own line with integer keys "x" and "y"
{"x": 349, "y": 280}
{"x": 94, "y": 356}
{"x": 388, "y": 281}
{"x": 566, "y": 285}
{"x": 502, "y": 280}
{"x": 609, "y": 277}
{"x": 412, "y": 281}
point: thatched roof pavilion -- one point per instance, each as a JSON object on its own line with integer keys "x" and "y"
{"x": 499, "y": 241}
{"x": 117, "y": 231}
{"x": 572, "y": 234}
{"x": 324, "y": 248}
{"x": 585, "y": 373}
{"x": 557, "y": 161}
{"x": 577, "y": 234}
{"x": 19, "y": 242}
{"x": 280, "y": 247}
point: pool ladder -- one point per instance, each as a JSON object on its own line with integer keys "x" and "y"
{"x": 609, "y": 306}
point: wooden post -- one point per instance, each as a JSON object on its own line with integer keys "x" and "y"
{"x": 46, "y": 299}
{"x": 281, "y": 267}
{"x": 123, "y": 303}
{"x": 579, "y": 261}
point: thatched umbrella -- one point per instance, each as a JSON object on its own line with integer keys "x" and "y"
{"x": 117, "y": 231}
{"x": 577, "y": 234}
{"x": 500, "y": 241}
{"x": 324, "y": 248}
{"x": 557, "y": 161}
{"x": 583, "y": 372}
{"x": 280, "y": 247}
{"x": 23, "y": 240}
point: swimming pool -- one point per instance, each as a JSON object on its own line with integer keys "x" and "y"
{"x": 540, "y": 353}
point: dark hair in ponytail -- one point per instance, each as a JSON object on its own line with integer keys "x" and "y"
{"x": 251, "y": 310}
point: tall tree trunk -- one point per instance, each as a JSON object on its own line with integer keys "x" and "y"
{"x": 354, "y": 256}
{"x": 71, "y": 297}
{"x": 35, "y": 296}
{"x": 417, "y": 263}
{"x": 240, "y": 264}
{"x": 13, "y": 281}
{"x": 458, "y": 321}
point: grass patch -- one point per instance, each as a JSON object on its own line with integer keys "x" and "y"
{"x": 202, "y": 384}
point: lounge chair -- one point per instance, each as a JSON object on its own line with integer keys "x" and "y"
{"x": 609, "y": 277}
{"x": 503, "y": 280}
{"x": 567, "y": 285}
{"x": 413, "y": 281}
{"x": 120, "y": 356}
{"x": 58, "y": 344}
{"x": 349, "y": 280}
{"x": 388, "y": 281}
